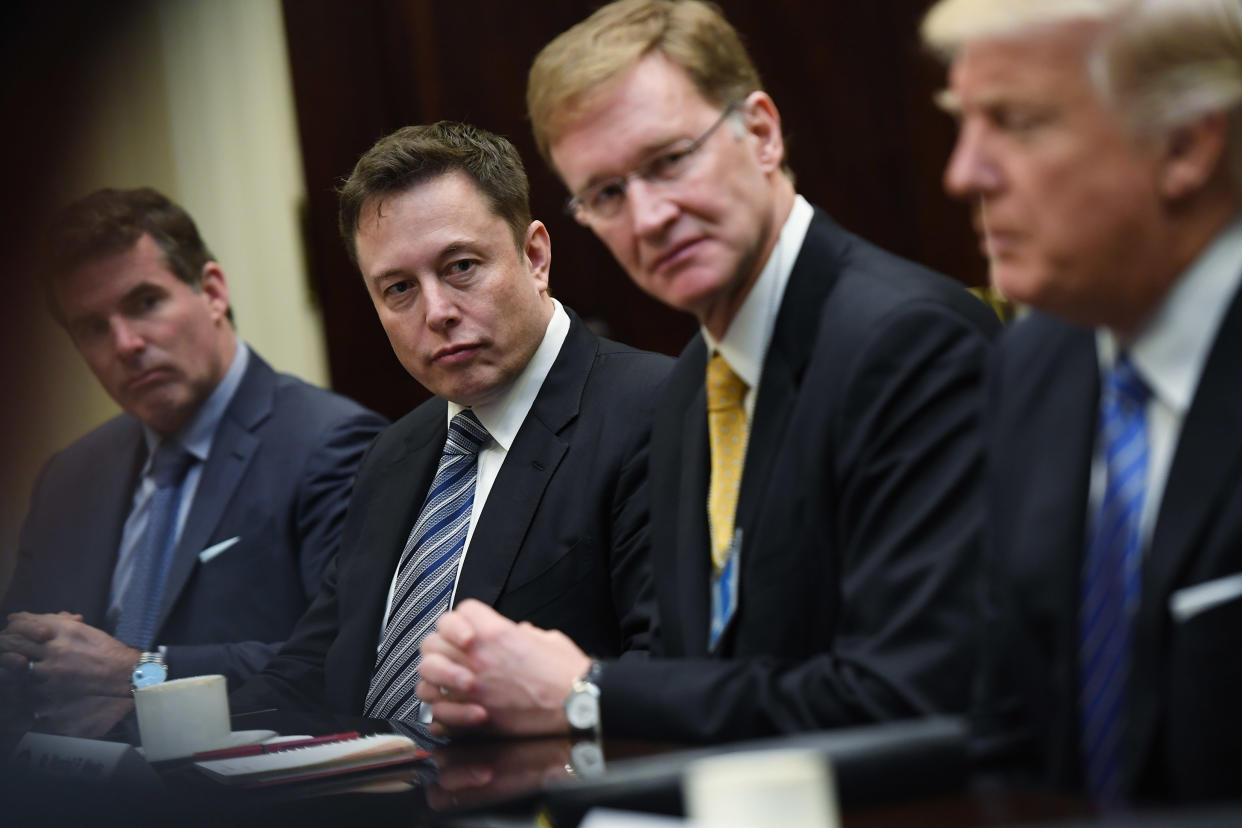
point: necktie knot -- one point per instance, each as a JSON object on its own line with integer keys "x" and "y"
{"x": 1125, "y": 385}
{"x": 170, "y": 463}
{"x": 725, "y": 389}
{"x": 466, "y": 434}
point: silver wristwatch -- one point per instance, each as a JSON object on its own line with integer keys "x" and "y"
{"x": 582, "y": 703}
{"x": 150, "y": 669}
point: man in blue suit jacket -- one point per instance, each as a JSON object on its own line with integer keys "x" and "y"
{"x": 1102, "y": 144}
{"x": 271, "y": 466}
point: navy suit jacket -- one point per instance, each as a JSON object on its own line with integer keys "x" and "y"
{"x": 562, "y": 541}
{"x": 278, "y": 478}
{"x": 1183, "y": 733}
{"x": 859, "y": 510}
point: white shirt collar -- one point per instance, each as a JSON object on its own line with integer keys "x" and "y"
{"x": 197, "y": 435}
{"x": 1173, "y": 346}
{"x": 745, "y": 343}
{"x": 503, "y": 416}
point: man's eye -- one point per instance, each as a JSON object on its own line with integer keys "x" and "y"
{"x": 461, "y": 266}
{"x": 666, "y": 166}
{"x": 607, "y": 194}
{"x": 397, "y": 288}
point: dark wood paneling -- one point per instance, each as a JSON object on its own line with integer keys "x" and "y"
{"x": 851, "y": 81}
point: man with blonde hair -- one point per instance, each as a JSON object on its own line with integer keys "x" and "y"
{"x": 815, "y": 455}
{"x": 1100, "y": 142}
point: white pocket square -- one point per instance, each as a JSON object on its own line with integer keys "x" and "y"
{"x": 215, "y": 549}
{"x": 1192, "y": 600}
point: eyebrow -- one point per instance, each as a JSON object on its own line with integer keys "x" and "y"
{"x": 450, "y": 249}
{"x": 646, "y": 154}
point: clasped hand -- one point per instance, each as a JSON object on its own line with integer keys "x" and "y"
{"x": 481, "y": 671}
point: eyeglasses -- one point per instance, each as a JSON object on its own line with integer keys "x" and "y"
{"x": 603, "y": 201}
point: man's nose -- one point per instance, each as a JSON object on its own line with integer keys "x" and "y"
{"x": 126, "y": 338}
{"x": 441, "y": 307}
{"x": 650, "y": 207}
{"x": 971, "y": 171}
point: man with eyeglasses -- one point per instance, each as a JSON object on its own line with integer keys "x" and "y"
{"x": 814, "y": 513}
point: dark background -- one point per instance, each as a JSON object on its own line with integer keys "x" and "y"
{"x": 851, "y": 81}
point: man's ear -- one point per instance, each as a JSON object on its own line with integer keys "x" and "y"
{"x": 216, "y": 290}
{"x": 1193, "y": 155}
{"x": 538, "y": 252}
{"x": 762, "y": 120}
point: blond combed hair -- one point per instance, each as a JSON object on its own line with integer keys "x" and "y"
{"x": 1160, "y": 64}
{"x": 586, "y": 58}
{"x": 950, "y": 24}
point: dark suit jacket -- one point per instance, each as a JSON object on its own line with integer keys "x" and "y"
{"x": 278, "y": 477}
{"x": 858, "y": 508}
{"x": 1183, "y": 735}
{"x": 561, "y": 542}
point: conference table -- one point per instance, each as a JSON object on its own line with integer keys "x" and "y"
{"x": 903, "y": 773}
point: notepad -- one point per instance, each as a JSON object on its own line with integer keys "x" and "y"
{"x": 298, "y": 764}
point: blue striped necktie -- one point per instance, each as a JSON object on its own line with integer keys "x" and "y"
{"x": 1111, "y": 579}
{"x": 427, "y": 572}
{"x": 140, "y": 606}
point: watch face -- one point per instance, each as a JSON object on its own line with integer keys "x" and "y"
{"x": 150, "y": 673}
{"x": 582, "y": 711}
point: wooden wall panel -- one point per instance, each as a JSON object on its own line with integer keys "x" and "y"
{"x": 852, "y": 84}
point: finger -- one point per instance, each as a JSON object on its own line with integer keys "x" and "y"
{"x": 435, "y": 643}
{"x": 457, "y": 715}
{"x": 439, "y": 671}
{"x": 36, "y": 628}
{"x": 453, "y": 628}
{"x": 480, "y": 616}
{"x": 21, "y": 647}
{"x": 72, "y": 616}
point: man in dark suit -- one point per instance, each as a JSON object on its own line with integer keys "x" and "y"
{"x": 1102, "y": 148}
{"x": 267, "y": 463}
{"x": 553, "y": 524}
{"x": 815, "y": 456}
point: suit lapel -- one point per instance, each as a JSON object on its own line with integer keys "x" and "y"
{"x": 693, "y": 558}
{"x": 1045, "y": 543}
{"x": 1205, "y": 464}
{"x": 531, "y": 461}
{"x": 813, "y": 277}
{"x": 395, "y": 497}
{"x": 232, "y": 449}
{"x": 105, "y": 507}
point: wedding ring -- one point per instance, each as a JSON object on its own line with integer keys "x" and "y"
{"x": 444, "y": 691}
{"x": 30, "y": 666}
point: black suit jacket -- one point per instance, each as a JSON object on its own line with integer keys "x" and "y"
{"x": 858, "y": 507}
{"x": 561, "y": 542}
{"x": 1183, "y": 735}
{"x": 278, "y": 479}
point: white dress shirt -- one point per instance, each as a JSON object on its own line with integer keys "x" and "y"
{"x": 1169, "y": 354}
{"x": 745, "y": 344}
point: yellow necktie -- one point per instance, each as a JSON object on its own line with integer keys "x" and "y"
{"x": 727, "y": 431}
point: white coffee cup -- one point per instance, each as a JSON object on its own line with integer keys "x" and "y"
{"x": 177, "y": 718}
{"x": 792, "y": 788}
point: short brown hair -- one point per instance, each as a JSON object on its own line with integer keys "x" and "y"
{"x": 581, "y": 60}
{"x": 416, "y": 154}
{"x": 109, "y": 222}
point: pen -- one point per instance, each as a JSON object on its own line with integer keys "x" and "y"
{"x": 258, "y": 750}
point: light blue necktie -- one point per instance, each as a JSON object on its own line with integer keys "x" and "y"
{"x": 427, "y": 572}
{"x": 1111, "y": 579}
{"x": 140, "y": 606}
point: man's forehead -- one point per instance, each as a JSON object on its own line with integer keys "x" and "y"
{"x": 1048, "y": 58}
